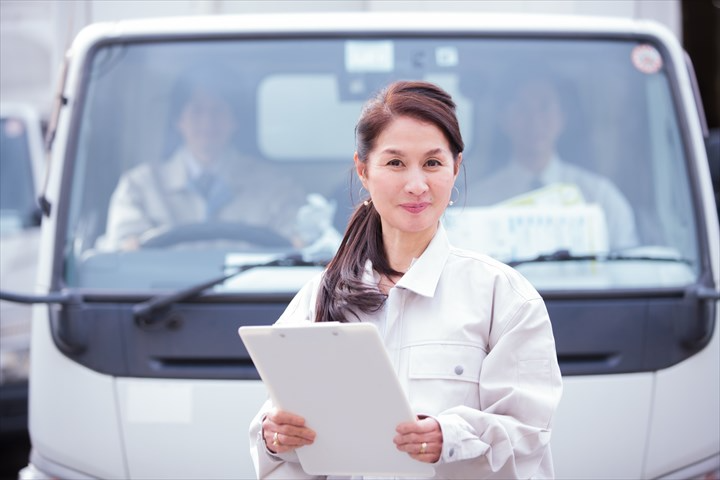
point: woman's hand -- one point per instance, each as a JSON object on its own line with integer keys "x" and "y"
{"x": 284, "y": 431}
{"x": 422, "y": 439}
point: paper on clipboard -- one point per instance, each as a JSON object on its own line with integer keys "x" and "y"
{"x": 338, "y": 376}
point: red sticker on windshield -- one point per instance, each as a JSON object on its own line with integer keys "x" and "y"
{"x": 646, "y": 58}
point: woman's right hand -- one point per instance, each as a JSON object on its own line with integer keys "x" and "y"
{"x": 284, "y": 431}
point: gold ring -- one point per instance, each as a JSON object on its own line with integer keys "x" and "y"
{"x": 423, "y": 447}
{"x": 275, "y": 440}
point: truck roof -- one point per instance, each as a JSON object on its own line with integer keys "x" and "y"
{"x": 407, "y": 23}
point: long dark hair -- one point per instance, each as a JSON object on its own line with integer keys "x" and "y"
{"x": 342, "y": 291}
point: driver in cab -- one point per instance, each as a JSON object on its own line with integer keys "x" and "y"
{"x": 205, "y": 179}
{"x": 533, "y": 119}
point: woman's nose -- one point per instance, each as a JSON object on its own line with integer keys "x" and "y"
{"x": 416, "y": 183}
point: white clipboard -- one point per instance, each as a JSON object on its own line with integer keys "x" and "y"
{"x": 338, "y": 376}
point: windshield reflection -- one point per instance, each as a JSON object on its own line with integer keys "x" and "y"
{"x": 219, "y": 154}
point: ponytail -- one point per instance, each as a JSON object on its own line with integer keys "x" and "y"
{"x": 342, "y": 289}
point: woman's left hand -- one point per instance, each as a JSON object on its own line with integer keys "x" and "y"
{"x": 422, "y": 439}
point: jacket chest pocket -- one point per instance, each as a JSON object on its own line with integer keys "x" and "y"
{"x": 444, "y": 375}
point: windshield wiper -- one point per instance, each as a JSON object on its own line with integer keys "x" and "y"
{"x": 556, "y": 256}
{"x": 155, "y": 310}
{"x": 564, "y": 255}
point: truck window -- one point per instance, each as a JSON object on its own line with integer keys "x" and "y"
{"x": 17, "y": 192}
{"x": 610, "y": 211}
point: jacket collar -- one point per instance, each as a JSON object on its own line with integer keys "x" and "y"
{"x": 424, "y": 274}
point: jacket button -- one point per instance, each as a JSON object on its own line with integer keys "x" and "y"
{"x": 459, "y": 370}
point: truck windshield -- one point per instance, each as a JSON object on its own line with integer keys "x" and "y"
{"x": 192, "y": 157}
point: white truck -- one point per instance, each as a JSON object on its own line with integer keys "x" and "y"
{"x": 136, "y": 369}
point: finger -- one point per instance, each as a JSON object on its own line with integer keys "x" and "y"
{"x": 420, "y": 448}
{"x": 293, "y": 441}
{"x": 424, "y": 425}
{"x": 305, "y": 433}
{"x": 408, "y": 427}
{"x": 287, "y": 424}
{"x": 282, "y": 417}
{"x": 412, "y": 444}
{"x": 429, "y": 452}
{"x": 275, "y": 439}
{"x": 280, "y": 443}
{"x": 427, "y": 457}
{"x": 288, "y": 442}
{"x": 417, "y": 438}
{"x": 409, "y": 439}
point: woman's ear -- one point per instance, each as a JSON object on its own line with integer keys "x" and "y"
{"x": 359, "y": 168}
{"x": 458, "y": 162}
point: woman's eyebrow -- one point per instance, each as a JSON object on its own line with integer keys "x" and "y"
{"x": 434, "y": 151}
{"x": 394, "y": 151}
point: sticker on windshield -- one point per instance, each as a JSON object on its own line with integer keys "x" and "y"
{"x": 371, "y": 56}
{"x": 646, "y": 59}
{"x": 446, "y": 56}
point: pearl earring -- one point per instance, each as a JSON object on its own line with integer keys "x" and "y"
{"x": 452, "y": 202}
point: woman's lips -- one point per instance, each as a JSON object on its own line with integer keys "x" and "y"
{"x": 415, "y": 207}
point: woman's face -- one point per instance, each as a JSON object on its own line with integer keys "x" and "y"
{"x": 410, "y": 175}
{"x": 206, "y": 123}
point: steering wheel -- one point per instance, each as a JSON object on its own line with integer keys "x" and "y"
{"x": 206, "y": 231}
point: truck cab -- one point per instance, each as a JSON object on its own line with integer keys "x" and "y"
{"x": 134, "y": 354}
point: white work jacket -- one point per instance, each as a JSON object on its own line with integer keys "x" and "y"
{"x": 472, "y": 345}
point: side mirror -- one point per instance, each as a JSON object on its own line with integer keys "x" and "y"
{"x": 35, "y": 217}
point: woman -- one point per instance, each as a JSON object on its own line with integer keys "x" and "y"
{"x": 469, "y": 337}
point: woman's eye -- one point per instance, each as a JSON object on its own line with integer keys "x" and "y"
{"x": 433, "y": 163}
{"x": 395, "y": 162}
